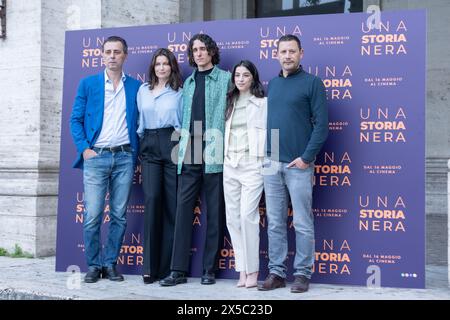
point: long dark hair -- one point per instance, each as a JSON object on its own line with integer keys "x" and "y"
{"x": 256, "y": 87}
{"x": 175, "y": 81}
{"x": 210, "y": 45}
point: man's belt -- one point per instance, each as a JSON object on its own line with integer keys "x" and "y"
{"x": 122, "y": 148}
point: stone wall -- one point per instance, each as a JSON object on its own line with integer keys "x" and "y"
{"x": 136, "y": 13}
{"x": 20, "y": 92}
{"x": 448, "y": 218}
{"x": 200, "y": 10}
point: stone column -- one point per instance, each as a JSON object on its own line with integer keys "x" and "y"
{"x": 225, "y": 10}
{"x": 31, "y": 71}
{"x": 20, "y": 69}
{"x": 191, "y": 10}
{"x": 205, "y": 10}
{"x": 448, "y": 215}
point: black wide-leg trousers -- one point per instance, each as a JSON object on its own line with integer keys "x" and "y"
{"x": 159, "y": 174}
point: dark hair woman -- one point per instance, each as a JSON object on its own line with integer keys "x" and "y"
{"x": 160, "y": 103}
{"x": 245, "y": 136}
{"x": 174, "y": 81}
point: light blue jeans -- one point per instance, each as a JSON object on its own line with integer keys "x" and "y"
{"x": 113, "y": 171}
{"x": 278, "y": 181}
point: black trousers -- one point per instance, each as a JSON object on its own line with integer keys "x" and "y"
{"x": 190, "y": 183}
{"x": 159, "y": 183}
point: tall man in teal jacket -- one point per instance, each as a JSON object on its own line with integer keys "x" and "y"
{"x": 204, "y": 100}
{"x": 103, "y": 126}
{"x": 297, "y": 109}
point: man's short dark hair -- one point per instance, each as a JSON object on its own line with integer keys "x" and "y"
{"x": 116, "y": 39}
{"x": 290, "y": 37}
{"x": 211, "y": 46}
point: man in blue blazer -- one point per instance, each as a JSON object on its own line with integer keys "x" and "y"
{"x": 103, "y": 126}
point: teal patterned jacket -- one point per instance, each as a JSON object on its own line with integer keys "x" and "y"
{"x": 216, "y": 87}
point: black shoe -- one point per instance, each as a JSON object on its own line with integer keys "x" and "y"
{"x": 301, "y": 284}
{"x": 174, "y": 278}
{"x": 148, "y": 279}
{"x": 111, "y": 274}
{"x": 92, "y": 275}
{"x": 208, "y": 278}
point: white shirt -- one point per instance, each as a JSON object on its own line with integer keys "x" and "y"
{"x": 114, "y": 129}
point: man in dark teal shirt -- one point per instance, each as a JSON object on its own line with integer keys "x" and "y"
{"x": 297, "y": 123}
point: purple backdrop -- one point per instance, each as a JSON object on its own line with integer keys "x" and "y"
{"x": 369, "y": 183}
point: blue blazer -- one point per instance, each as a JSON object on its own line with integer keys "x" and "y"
{"x": 87, "y": 114}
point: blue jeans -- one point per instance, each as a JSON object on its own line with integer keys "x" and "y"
{"x": 113, "y": 171}
{"x": 278, "y": 181}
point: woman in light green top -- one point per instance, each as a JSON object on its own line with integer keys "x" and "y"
{"x": 245, "y": 135}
